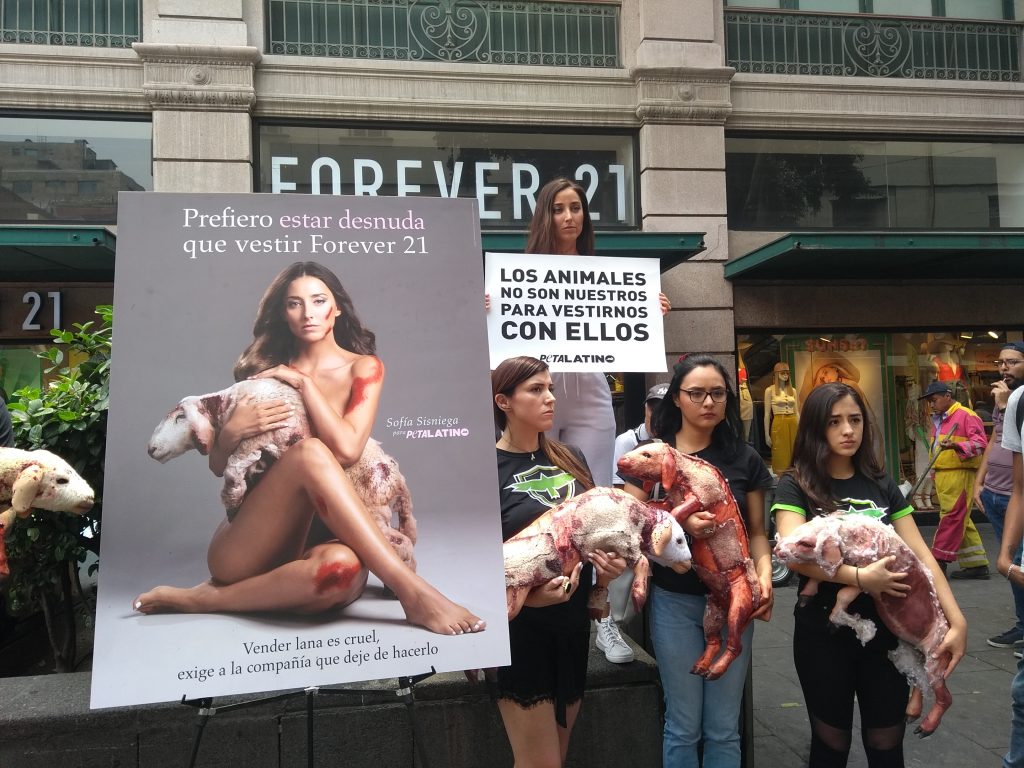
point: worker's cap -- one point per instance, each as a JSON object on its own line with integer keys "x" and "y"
{"x": 657, "y": 392}
{"x": 936, "y": 388}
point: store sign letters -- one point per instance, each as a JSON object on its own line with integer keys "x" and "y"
{"x": 577, "y": 313}
{"x": 485, "y": 181}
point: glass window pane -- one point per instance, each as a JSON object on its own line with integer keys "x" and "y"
{"x": 832, "y": 6}
{"x": 71, "y": 170}
{"x": 779, "y": 184}
{"x": 903, "y": 7}
{"x": 974, "y": 9}
{"x": 753, "y": 3}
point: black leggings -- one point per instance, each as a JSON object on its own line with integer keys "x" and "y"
{"x": 833, "y": 667}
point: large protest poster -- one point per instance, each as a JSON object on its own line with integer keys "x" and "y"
{"x": 576, "y": 313}
{"x": 191, "y": 270}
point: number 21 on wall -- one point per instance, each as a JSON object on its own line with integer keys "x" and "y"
{"x": 35, "y": 302}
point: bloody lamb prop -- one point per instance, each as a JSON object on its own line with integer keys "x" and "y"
{"x": 917, "y": 620}
{"x": 601, "y": 518}
{"x": 37, "y": 480}
{"x": 722, "y": 561}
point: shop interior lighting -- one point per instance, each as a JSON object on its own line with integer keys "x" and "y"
{"x": 966, "y": 335}
{"x": 825, "y": 339}
{"x": 993, "y": 334}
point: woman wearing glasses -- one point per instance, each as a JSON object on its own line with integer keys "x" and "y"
{"x": 700, "y": 416}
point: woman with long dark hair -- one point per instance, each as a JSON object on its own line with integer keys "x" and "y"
{"x": 700, "y": 415}
{"x": 540, "y": 692}
{"x": 835, "y": 468}
{"x": 265, "y": 558}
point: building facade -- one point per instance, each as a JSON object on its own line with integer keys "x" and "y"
{"x": 855, "y": 176}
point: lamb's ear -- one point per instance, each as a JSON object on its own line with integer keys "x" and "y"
{"x": 668, "y": 470}
{"x": 199, "y": 425}
{"x": 26, "y": 488}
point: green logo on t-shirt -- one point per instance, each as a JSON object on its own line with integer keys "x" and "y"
{"x": 546, "y": 485}
{"x": 866, "y": 507}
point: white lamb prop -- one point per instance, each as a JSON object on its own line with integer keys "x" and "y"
{"x": 195, "y": 421}
{"x": 38, "y": 480}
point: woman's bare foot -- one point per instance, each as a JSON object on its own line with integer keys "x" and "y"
{"x": 197, "y": 599}
{"x": 425, "y": 606}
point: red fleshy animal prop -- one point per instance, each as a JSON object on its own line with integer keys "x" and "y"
{"x": 917, "y": 619}
{"x": 722, "y": 561}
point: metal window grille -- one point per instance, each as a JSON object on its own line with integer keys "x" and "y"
{"x": 872, "y": 46}
{"x": 489, "y": 31}
{"x": 92, "y": 23}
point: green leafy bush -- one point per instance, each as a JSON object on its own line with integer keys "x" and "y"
{"x": 69, "y": 418}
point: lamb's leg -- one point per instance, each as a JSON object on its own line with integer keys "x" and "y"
{"x": 641, "y": 577}
{"x": 915, "y": 704}
{"x": 515, "y": 597}
{"x": 6, "y": 518}
{"x": 864, "y": 628}
{"x": 714, "y": 619}
{"x": 741, "y": 605}
{"x": 401, "y": 505}
{"x": 943, "y": 698}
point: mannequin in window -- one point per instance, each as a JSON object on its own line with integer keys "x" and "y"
{"x": 945, "y": 361}
{"x": 946, "y": 368}
{"x": 746, "y": 404}
{"x": 780, "y": 417}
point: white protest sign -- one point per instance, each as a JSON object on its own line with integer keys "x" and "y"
{"x": 576, "y": 313}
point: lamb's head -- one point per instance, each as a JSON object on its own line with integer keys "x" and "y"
{"x": 186, "y": 427}
{"x": 57, "y": 486}
{"x": 813, "y": 542}
{"x": 664, "y": 541}
{"x": 689, "y": 481}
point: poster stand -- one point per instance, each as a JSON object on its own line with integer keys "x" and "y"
{"x": 404, "y": 692}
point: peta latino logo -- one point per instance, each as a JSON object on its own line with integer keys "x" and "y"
{"x": 546, "y": 485}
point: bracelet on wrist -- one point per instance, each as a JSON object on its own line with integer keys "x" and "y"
{"x": 1010, "y": 570}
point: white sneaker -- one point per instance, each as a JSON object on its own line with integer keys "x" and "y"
{"x": 616, "y": 650}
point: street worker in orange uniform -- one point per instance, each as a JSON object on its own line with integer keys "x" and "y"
{"x": 957, "y": 442}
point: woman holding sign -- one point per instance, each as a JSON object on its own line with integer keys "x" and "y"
{"x": 540, "y": 692}
{"x": 273, "y": 554}
{"x": 562, "y": 225}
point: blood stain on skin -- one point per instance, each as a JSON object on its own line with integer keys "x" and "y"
{"x": 360, "y": 384}
{"x": 333, "y": 576}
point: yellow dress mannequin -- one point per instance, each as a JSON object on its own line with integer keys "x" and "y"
{"x": 780, "y": 418}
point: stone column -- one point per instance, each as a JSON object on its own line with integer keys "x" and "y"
{"x": 199, "y": 76}
{"x": 682, "y": 103}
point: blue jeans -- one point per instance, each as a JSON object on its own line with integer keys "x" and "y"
{"x": 995, "y": 511}
{"x": 695, "y": 709}
{"x": 1015, "y": 757}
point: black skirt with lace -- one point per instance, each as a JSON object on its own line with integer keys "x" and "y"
{"x": 549, "y": 648}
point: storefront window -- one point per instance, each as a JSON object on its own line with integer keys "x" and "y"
{"x": 890, "y": 370}
{"x": 809, "y": 183}
{"x": 62, "y": 171}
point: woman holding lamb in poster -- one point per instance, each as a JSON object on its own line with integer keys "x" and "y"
{"x": 272, "y": 554}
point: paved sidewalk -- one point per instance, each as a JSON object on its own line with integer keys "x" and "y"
{"x": 974, "y": 731}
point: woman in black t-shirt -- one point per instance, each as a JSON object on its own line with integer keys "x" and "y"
{"x": 700, "y": 415}
{"x": 835, "y": 469}
{"x": 540, "y": 692}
